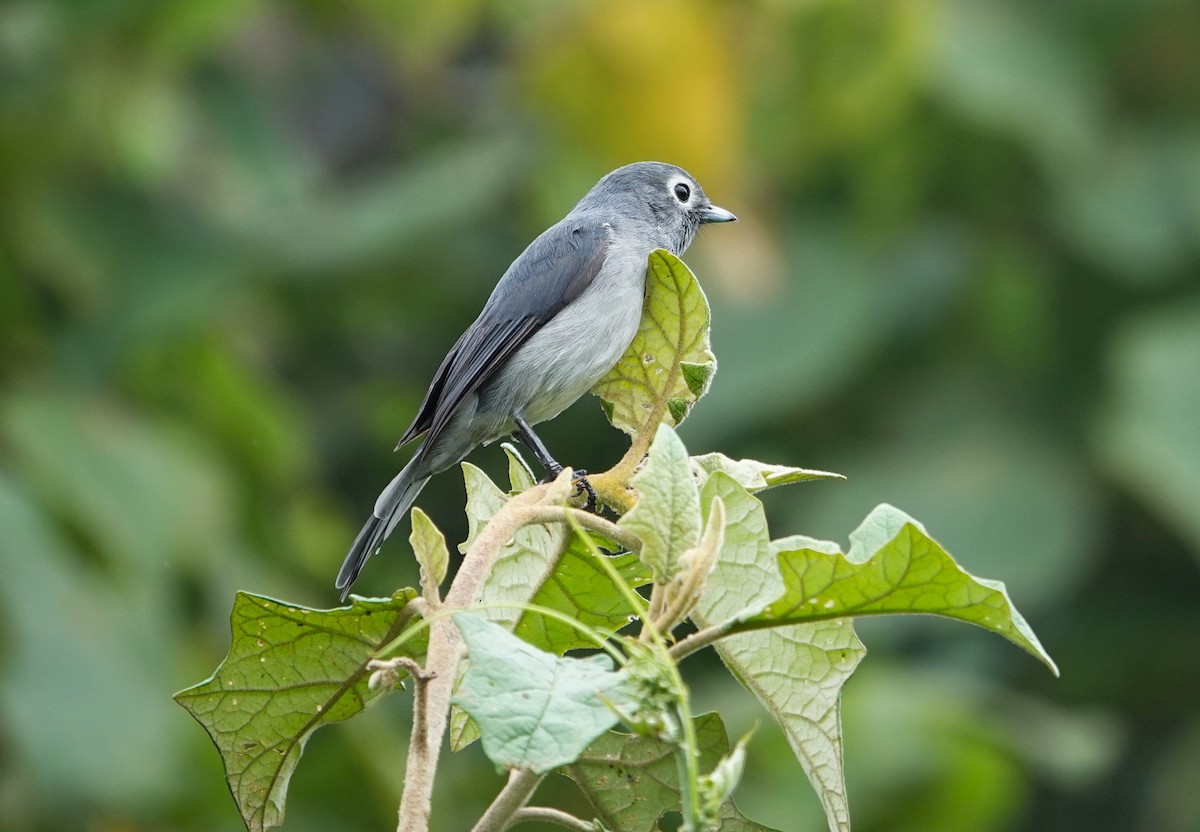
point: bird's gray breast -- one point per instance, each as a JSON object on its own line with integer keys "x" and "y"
{"x": 570, "y": 353}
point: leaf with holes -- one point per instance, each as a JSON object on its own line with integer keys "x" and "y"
{"x": 669, "y": 364}
{"x": 290, "y": 670}
{"x": 632, "y": 781}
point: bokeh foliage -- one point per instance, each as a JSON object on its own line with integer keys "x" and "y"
{"x": 237, "y": 237}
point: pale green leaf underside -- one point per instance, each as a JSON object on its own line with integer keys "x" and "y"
{"x": 796, "y": 671}
{"x": 429, "y": 545}
{"x": 756, "y": 476}
{"x": 745, "y": 578}
{"x": 669, "y": 359}
{"x": 290, "y": 670}
{"x": 520, "y": 475}
{"x": 667, "y": 515}
{"x": 631, "y": 781}
{"x": 893, "y": 567}
{"x": 524, "y": 563}
{"x": 535, "y": 711}
{"x": 484, "y": 499}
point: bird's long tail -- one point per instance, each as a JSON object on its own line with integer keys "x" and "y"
{"x": 391, "y": 506}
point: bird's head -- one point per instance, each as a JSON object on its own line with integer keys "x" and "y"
{"x": 664, "y": 195}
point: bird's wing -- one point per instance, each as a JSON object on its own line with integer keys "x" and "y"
{"x": 549, "y": 274}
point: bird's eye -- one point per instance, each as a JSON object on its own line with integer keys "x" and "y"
{"x": 682, "y": 192}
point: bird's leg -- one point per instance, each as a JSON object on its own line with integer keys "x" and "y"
{"x": 531, "y": 441}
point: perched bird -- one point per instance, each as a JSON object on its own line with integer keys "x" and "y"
{"x": 558, "y": 320}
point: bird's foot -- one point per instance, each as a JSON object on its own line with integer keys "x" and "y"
{"x": 582, "y": 486}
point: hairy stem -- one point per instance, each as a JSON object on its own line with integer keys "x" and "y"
{"x": 676, "y": 612}
{"x": 516, "y": 793}
{"x": 653, "y": 614}
{"x": 591, "y": 522}
{"x": 537, "y": 505}
{"x": 686, "y": 755}
{"x": 612, "y": 488}
{"x": 544, "y": 814}
{"x": 445, "y": 652}
{"x": 698, "y": 641}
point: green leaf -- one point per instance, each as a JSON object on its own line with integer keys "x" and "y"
{"x": 669, "y": 364}
{"x": 967, "y": 465}
{"x": 697, "y": 377}
{"x": 677, "y": 409}
{"x": 429, "y": 545}
{"x": 632, "y": 780}
{"x": 716, "y": 787}
{"x": 756, "y": 476}
{"x": 798, "y": 667}
{"x": 289, "y": 671}
{"x": 667, "y": 515}
{"x": 581, "y": 588}
{"x": 535, "y": 711}
{"x": 796, "y": 671}
{"x": 893, "y": 567}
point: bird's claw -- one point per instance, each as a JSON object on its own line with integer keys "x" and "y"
{"x": 583, "y": 486}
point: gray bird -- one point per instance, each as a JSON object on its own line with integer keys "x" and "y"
{"x": 558, "y": 320}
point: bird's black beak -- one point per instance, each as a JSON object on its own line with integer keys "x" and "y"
{"x": 712, "y": 213}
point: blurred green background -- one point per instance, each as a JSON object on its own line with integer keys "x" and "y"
{"x": 236, "y": 238}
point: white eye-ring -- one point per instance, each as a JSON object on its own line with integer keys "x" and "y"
{"x": 682, "y": 192}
